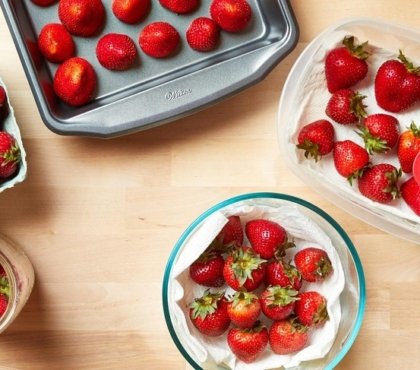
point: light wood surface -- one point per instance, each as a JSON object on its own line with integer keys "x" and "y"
{"x": 98, "y": 219}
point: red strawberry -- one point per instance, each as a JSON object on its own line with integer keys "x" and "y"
{"x": 82, "y": 17}
{"x": 159, "y": 39}
{"x": 231, "y": 15}
{"x": 311, "y": 308}
{"x": 397, "y": 84}
{"x": 9, "y": 155}
{"x": 180, "y": 6}
{"x": 287, "y": 336}
{"x": 203, "y": 34}
{"x": 43, "y": 2}
{"x": 379, "y": 183}
{"x": 346, "y": 106}
{"x": 313, "y": 263}
{"x": 4, "y": 105}
{"x": 279, "y": 272}
{"x": 209, "y": 314}
{"x": 75, "y": 81}
{"x": 2, "y": 271}
{"x": 56, "y": 43}
{"x": 346, "y": 65}
{"x": 316, "y": 139}
{"x": 410, "y": 192}
{"x": 244, "y": 309}
{"x": 277, "y": 303}
{"x": 232, "y": 234}
{"x": 207, "y": 270}
{"x": 4, "y": 302}
{"x": 244, "y": 269}
{"x": 248, "y": 344}
{"x": 350, "y": 159}
{"x": 408, "y": 147}
{"x": 131, "y": 11}
{"x": 380, "y": 133}
{"x": 116, "y": 51}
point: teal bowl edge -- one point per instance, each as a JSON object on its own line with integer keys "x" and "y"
{"x": 362, "y": 283}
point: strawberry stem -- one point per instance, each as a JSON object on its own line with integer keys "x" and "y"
{"x": 408, "y": 65}
{"x": 359, "y": 51}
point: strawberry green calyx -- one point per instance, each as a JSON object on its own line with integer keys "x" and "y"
{"x": 297, "y": 326}
{"x": 206, "y": 305}
{"x": 258, "y": 327}
{"x": 279, "y": 296}
{"x": 411, "y": 68}
{"x": 321, "y": 315}
{"x": 356, "y": 175}
{"x": 10, "y": 156}
{"x": 311, "y": 149}
{"x": 324, "y": 267}
{"x": 414, "y": 129}
{"x": 243, "y": 296}
{"x": 208, "y": 255}
{"x": 373, "y": 144}
{"x": 392, "y": 188}
{"x": 359, "y": 51}
{"x": 245, "y": 262}
{"x": 4, "y": 286}
{"x": 356, "y": 105}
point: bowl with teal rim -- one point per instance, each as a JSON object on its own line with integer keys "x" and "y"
{"x": 177, "y": 288}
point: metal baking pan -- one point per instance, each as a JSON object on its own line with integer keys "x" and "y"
{"x": 157, "y": 90}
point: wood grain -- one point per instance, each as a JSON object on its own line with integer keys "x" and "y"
{"x": 98, "y": 219}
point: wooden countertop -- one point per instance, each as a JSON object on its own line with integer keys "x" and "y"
{"x": 98, "y": 219}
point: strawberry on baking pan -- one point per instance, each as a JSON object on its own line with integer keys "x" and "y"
{"x": 248, "y": 344}
{"x": 159, "y": 39}
{"x": 116, "y": 51}
{"x": 346, "y": 106}
{"x": 44, "y": 2}
{"x": 288, "y": 336}
{"x": 278, "y": 303}
{"x": 207, "y": 270}
{"x": 4, "y": 105}
{"x": 231, "y": 15}
{"x": 75, "y": 81}
{"x": 316, "y": 139}
{"x": 311, "y": 309}
{"x": 244, "y": 309}
{"x": 346, "y": 65}
{"x": 180, "y": 6}
{"x": 131, "y": 11}
{"x": 397, "y": 84}
{"x": 203, "y": 34}
{"x": 313, "y": 263}
{"x": 410, "y": 192}
{"x": 209, "y": 314}
{"x": 379, "y": 183}
{"x": 56, "y": 43}
{"x": 9, "y": 155}
{"x": 380, "y": 132}
{"x": 408, "y": 147}
{"x": 350, "y": 159}
{"x": 82, "y": 17}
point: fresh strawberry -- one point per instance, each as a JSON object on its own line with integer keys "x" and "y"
{"x": 75, "y": 81}
{"x": 231, "y": 236}
{"x": 231, "y": 15}
{"x": 311, "y": 308}
{"x": 159, "y": 39}
{"x": 43, "y": 2}
{"x": 180, "y": 6}
{"x": 203, "y": 34}
{"x": 346, "y": 65}
{"x": 9, "y": 155}
{"x": 379, "y": 183}
{"x": 408, "y": 147}
{"x": 2, "y": 271}
{"x": 82, "y": 17}
{"x": 346, "y": 106}
{"x": 209, "y": 314}
{"x": 116, "y": 51}
{"x": 397, "y": 84}
{"x": 287, "y": 336}
{"x": 380, "y": 133}
{"x": 279, "y": 272}
{"x": 277, "y": 303}
{"x": 316, "y": 139}
{"x": 244, "y": 269}
{"x": 207, "y": 270}
{"x": 313, "y": 264}
{"x": 131, "y": 11}
{"x": 267, "y": 237}
{"x": 4, "y": 105}
{"x": 244, "y": 309}
{"x": 410, "y": 192}
{"x": 4, "y": 302}
{"x": 350, "y": 159}
{"x": 248, "y": 344}
{"x": 56, "y": 43}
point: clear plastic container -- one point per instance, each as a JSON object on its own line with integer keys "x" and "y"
{"x": 20, "y": 275}
{"x": 303, "y": 100}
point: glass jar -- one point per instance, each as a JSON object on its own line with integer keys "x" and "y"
{"x": 20, "y": 275}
